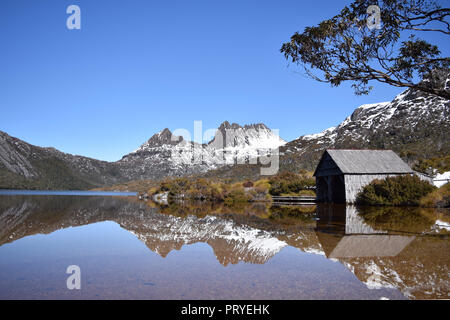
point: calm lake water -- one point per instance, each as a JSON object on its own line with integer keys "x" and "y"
{"x": 127, "y": 249}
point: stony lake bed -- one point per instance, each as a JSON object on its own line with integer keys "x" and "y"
{"x": 130, "y": 249}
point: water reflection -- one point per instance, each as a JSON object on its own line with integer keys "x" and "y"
{"x": 402, "y": 249}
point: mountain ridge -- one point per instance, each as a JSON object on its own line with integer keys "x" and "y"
{"x": 26, "y": 166}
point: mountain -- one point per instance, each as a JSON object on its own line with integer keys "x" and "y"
{"x": 416, "y": 125}
{"x": 25, "y": 166}
{"x": 167, "y": 155}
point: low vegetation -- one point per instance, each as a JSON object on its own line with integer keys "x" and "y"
{"x": 204, "y": 189}
{"x": 429, "y": 166}
{"x": 395, "y": 191}
{"x": 232, "y": 193}
{"x": 289, "y": 183}
{"x": 439, "y": 198}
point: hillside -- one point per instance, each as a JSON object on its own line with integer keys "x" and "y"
{"x": 416, "y": 125}
{"x": 25, "y": 166}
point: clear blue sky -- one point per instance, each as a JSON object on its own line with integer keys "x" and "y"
{"x": 136, "y": 67}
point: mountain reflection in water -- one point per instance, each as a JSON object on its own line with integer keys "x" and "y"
{"x": 403, "y": 249}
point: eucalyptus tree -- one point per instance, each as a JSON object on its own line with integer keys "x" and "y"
{"x": 383, "y": 41}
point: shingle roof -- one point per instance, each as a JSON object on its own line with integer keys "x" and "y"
{"x": 368, "y": 161}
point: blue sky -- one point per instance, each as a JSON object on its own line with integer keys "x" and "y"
{"x": 136, "y": 67}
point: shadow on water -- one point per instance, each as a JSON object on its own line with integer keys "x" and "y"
{"x": 402, "y": 248}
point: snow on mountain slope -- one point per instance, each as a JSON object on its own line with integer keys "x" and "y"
{"x": 166, "y": 154}
{"x": 413, "y": 123}
{"x": 163, "y": 155}
{"x": 381, "y": 116}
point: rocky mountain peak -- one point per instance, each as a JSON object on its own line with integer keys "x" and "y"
{"x": 227, "y": 126}
{"x": 237, "y": 136}
{"x": 161, "y": 138}
{"x": 257, "y": 126}
{"x": 235, "y": 126}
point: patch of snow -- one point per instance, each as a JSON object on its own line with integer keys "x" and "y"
{"x": 318, "y": 135}
{"x": 442, "y": 225}
{"x": 441, "y": 179}
{"x": 373, "y": 105}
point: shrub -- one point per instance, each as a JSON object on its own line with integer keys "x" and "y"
{"x": 236, "y": 195}
{"x": 429, "y": 165}
{"x": 290, "y": 183}
{"x": 439, "y": 198}
{"x": 395, "y": 191}
{"x": 262, "y": 185}
{"x": 175, "y": 186}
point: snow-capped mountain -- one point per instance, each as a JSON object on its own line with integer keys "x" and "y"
{"x": 23, "y": 165}
{"x": 165, "y": 154}
{"x": 414, "y": 124}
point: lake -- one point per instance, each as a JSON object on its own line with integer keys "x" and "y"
{"x": 130, "y": 249}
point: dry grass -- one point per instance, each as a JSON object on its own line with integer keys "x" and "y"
{"x": 439, "y": 198}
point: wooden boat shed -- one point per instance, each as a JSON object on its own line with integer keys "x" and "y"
{"x": 342, "y": 174}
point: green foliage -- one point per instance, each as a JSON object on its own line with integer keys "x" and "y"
{"x": 344, "y": 48}
{"x": 291, "y": 183}
{"x": 404, "y": 190}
